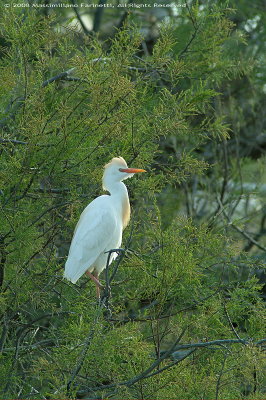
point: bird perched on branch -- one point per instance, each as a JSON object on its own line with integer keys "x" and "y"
{"x": 100, "y": 226}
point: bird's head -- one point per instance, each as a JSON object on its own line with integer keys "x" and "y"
{"x": 116, "y": 171}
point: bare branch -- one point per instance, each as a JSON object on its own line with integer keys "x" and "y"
{"x": 85, "y": 29}
{"x": 3, "y": 255}
{"x": 217, "y": 343}
{"x": 230, "y": 322}
{"x": 171, "y": 365}
{"x": 57, "y": 77}
{"x": 14, "y": 141}
{"x": 196, "y": 28}
{"x": 98, "y": 15}
{"x": 148, "y": 372}
{"x": 20, "y": 101}
{"x": 14, "y": 106}
{"x": 243, "y": 233}
{"x": 261, "y": 232}
{"x": 86, "y": 346}
{"x": 218, "y": 385}
{"x": 107, "y": 289}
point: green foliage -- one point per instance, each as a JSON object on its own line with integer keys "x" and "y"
{"x": 184, "y": 275}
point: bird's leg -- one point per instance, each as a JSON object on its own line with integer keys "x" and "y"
{"x": 98, "y": 292}
{"x": 95, "y": 279}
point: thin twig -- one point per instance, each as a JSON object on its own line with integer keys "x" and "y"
{"x": 261, "y": 232}
{"x": 226, "y": 168}
{"x": 170, "y": 365}
{"x": 3, "y": 255}
{"x": 85, "y": 29}
{"x": 218, "y": 385}
{"x": 85, "y": 349}
{"x": 107, "y": 290}
{"x": 196, "y": 28}
{"x": 57, "y": 77}
{"x": 145, "y": 373}
{"x": 12, "y": 141}
{"x": 150, "y": 370}
{"x": 211, "y": 343}
{"x": 243, "y": 233}
{"x": 11, "y": 115}
{"x": 230, "y": 322}
{"x": 98, "y": 15}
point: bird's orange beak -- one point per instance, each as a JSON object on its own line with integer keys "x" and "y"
{"x": 131, "y": 170}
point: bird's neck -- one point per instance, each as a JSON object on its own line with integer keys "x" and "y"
{"x": 119, "y": 194}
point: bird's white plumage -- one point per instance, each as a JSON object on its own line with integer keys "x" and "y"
{"x": 98, "y": 231}
{"x": 101, "y": 224}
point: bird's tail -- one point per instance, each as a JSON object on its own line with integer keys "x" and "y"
{"x": 70, "y": 277}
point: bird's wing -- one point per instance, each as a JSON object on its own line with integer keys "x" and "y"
{"x": 92, "y": 235}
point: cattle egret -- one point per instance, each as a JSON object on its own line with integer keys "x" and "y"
{"x": 100, "y": 226}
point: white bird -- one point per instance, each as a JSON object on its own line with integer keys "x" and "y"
{"x": 100, "y": 226}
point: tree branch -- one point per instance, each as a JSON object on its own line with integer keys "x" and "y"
{"x": 14, "y": 141}
{"x": 261, "y": 232}
{"x": 85, "y": 30}
{"x": 62, "y": 75}
{"x": 230, "y": 322}
{"x": 148, "y": 372}
{"x": 196, "y": 28}
{"x": 243, "y": 233}
{"x": 2, "y": 258}
{"x": 86, "y": 346}
{"x": 98, "y": 15}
